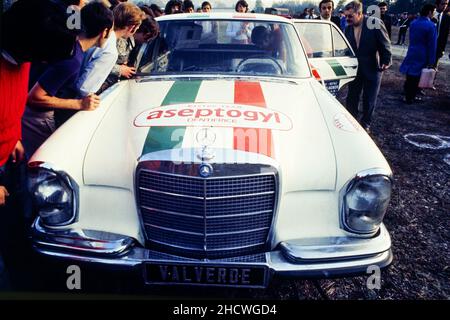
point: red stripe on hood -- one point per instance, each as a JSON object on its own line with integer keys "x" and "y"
{"x": 249, "y": 139}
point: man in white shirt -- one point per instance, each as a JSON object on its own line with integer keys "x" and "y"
{"x": 99, "y": 62}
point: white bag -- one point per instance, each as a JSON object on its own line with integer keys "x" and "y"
{"x": 427, "y": 78}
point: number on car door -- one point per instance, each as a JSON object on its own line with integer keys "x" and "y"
{"x": 331, "y": 57}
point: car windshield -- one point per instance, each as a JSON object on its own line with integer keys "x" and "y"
{"x": 234, "y": 47}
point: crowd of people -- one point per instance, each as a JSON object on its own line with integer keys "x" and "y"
{"x": 44, "y": 80}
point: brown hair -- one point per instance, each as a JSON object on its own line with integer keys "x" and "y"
{"x": 127, "y": 14}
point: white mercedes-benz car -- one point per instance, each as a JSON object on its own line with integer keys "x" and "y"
{"x": 226, "y": 161}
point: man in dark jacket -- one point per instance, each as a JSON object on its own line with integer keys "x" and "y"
{"x": 373, "y": 50}
{"x": 442, "y": 21}
{"x": 404, "y": 23}
{"x": 326, "y": 8}
{"x": 385, "y": 17}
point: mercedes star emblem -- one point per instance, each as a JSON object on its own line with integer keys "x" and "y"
{"x": 206, "y": 137}
{"x": 205, "y": 170}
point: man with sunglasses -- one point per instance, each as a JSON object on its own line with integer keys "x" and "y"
{"x": 370, "y": 41}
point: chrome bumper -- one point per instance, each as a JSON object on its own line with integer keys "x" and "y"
{"x": 317, "y": 258}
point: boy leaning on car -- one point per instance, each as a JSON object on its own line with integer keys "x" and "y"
{"x": 52, "y": 90}
{"x": 101, "y": 68}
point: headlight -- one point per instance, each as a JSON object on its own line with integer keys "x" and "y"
{"x": 53, "y": 196}
{"x": 365, "y": 203}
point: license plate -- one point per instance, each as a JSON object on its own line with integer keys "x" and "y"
{"x": 205, "y": 275}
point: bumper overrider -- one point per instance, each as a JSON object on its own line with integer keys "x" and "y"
{"x": 313, "y": 258}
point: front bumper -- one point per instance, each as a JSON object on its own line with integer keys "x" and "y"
{"x": 314, "y": 258}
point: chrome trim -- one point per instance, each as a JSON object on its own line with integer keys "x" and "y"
{"x": 225, "y": 157}
{"x": 39, "y": 165}
{"x": 338, "y": 258}
{"x": 327, "y": 269}
{"x": 236, "y": 232}
{"x": 169, "y": 193}
{"x": 87, "y": 241}
{"x": 241, "y": 215}
{"x": 206, "y": 198}
{"x": 317, "y": 250}
{"x": 173, "y": 213}
{"x": 142, "y": 78}
{"x": 346, "y": 188}
{"x": 212, "y": 250}
{"x": 201, "y": 217}
{"x": 174, "y": 230}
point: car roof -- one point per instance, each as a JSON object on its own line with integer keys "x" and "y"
{"x": 224, "y": 16}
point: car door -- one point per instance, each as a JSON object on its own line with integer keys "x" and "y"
{"x": 330, "y": 55}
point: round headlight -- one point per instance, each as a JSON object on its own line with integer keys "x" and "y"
{"x": 366, "y": 203}
{"x": 53, "y": 197}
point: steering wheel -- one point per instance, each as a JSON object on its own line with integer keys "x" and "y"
{"x": 263, "y": 60}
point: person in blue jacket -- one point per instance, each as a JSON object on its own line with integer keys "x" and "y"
{"x": 421, "y": 51}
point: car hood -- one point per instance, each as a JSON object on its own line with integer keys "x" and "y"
{"x": 280, "y": 120}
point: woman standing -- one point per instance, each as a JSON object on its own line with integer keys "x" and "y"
{"x": 421, "y": 51}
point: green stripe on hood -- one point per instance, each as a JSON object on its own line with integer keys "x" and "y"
{"x": 166, "y": 138}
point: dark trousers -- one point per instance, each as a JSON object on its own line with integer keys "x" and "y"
{"x": 14, "y": 223}
{"x": 402, "y": 35}
{"x": 411, "y": 87}
{"x": 370, "y": 89}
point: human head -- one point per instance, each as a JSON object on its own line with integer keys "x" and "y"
{"x": 148, "y": 30}
{"x": 261, "y": 37}
{"x": 173, "y": 6}
{"x": 427, "y": 10}
{"x": 97, "y": 22}
{"x": 383, "y": 7}
{"x": 188, "y": 6}
{"x": 441, "y": 5}
{"x": 354, "y": 13}
{"x": 77, "y": 3}
{"x": 326, "y": 8}
{"x": 147, "y": 10}
{"x": 206, "y": 6}
{"x": 241, "y": 6}
{"x": 311, "y": 11}
{"x": 127, "y": 18}
{"x": 157, "y": 11}
{"x": 115, "y": 3}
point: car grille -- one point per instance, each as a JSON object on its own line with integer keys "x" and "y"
{"x": 206, "y": 218}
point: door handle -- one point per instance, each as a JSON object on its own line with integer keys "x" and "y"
{"x": 351, "y": 67}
